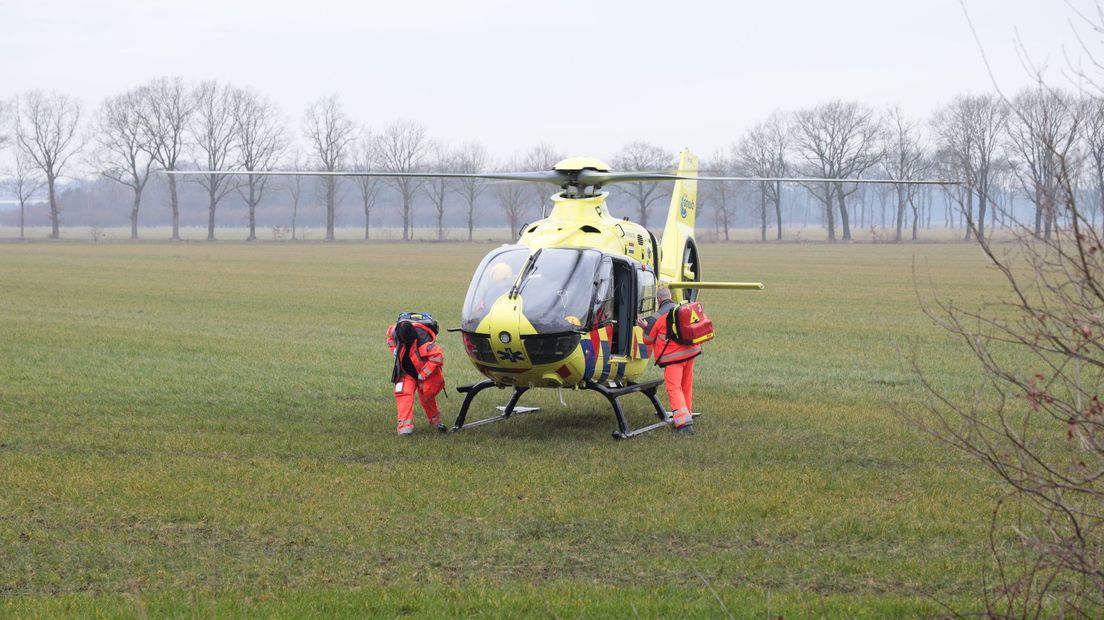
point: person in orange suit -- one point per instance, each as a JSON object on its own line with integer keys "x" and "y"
{"x": 677, "y": 361}
{"x": 417, "y": 371}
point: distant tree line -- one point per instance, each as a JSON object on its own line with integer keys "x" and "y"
{"x": 980, "y": 141}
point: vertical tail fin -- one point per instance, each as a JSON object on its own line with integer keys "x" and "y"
{"x": 678, "y": 254}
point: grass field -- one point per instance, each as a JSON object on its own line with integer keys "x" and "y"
{"x": 209, "y": 430}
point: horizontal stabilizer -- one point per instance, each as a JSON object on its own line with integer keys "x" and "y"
{"x": 739, "y": 286}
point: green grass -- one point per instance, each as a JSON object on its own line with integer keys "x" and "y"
{"x": 209, "y": 430}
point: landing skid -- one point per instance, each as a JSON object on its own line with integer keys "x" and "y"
{"x": 613, "y": 395}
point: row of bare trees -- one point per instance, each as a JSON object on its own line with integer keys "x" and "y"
{"x": 168, "y": 124}
{"x": 974, "y": 140}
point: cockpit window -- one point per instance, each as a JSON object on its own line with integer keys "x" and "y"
{"x": 558, "y": 289}
{"x": 494, "y": 278}
{"x": 603, "y": 295}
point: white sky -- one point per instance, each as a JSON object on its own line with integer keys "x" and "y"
{"x": 586, "y": 76}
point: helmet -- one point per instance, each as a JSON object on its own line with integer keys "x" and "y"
{"x": 500, "y": 273}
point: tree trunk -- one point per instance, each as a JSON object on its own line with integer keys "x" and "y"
{"x": 843, "y": 215}
{"x": 367, "y": 219}
{"x": 134, "y": 215}
{"x": 900, "y": 223}
{"x": 55, "y": 233}
{"x": 778, "y": 207}
{"x": 471, "y": 219}
{"x": 440, "y": 224}
{"x": 211, "y": 205}
{"x": 407, "y": 224}
{"x": 294, "y": 216}
{"x": 1038, "y": 211}
{"x": 252, "y": 212}
{"x": 331, "y": 206}
{"x": 174, "y": 202}
{"x": 762, "y": 215}
{"x": 982, "y": 199}
{"x": 968, "y": 213}
{"x": 22, "y": 216}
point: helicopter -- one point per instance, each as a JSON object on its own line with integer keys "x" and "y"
{"x": 558, "y": 308}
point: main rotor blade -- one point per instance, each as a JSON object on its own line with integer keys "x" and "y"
{"x": 549, "y": 176}
{"x": 588, "y": 177}
{"x": 583, "y": 178}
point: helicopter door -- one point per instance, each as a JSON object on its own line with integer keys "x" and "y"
{"x": 624, "y": 307}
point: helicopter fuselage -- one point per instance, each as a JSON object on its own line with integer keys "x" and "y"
{"x": 559, "y": 308}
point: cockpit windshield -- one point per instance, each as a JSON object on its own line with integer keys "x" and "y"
{"x": 494, "y": 278}
{"x": 557, "y": 287}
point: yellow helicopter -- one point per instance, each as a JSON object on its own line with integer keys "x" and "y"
{"x": 559, "y": 308}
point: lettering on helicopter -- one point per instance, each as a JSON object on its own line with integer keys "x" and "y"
{"x": 685, "y": 206}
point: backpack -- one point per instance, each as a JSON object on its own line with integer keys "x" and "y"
{"x": 421, "y": 318}
{"x": 688, "y": 324}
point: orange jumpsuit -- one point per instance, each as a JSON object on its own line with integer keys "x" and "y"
{"x": 417, "y": 370}
{"x": 677, "y": 361}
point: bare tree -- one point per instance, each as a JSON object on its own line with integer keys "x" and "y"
{"x": 260, "y": 140}
{"x": 166, "y": 112}
{"x": 403, "y": 145}
{"x": 24, "y": 181}
{"x": 903, "y": 159}
{"x": 1093, "y": 135}
{"x": 472, "y": 159}
{"x": 294, "y": 186}
{"x": 367, "y": 159}
{"x": 513, "y": 198}
{"x": 330, "y": 133}
{"x": 640, "y": 155}
{"x": 46, "y": 131}
{"x": 836, "y": 140}
{"x": 212, "y": 133}
{"x": 541, "y": 157}
{"x": 761, "y": 152}
{"x": 1037, "y": 422}
{"x": 122, "y": 148}
{"x": 1044, "y": 133}
{"x": 720, "y": 196}
{"x": 969, "y": 131}
{"x": 441, "y": 158}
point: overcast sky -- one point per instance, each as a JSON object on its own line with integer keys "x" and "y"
{"x": 586, "y": 76}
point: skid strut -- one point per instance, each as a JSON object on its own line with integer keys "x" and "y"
{"x": 612, "y": 394}
{"x": 510, "y": 409}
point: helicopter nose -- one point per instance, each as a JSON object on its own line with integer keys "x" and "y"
{"x": 504, "y": 327}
